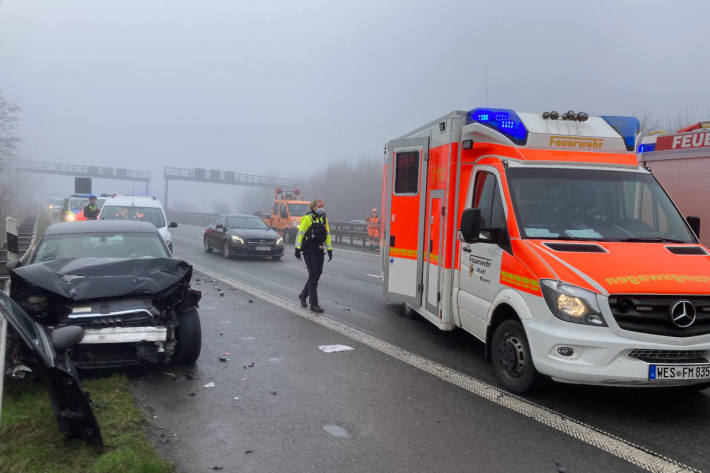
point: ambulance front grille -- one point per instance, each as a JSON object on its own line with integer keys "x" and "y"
{"x": 670, "y": 356}
{"x": 652, "y": 314}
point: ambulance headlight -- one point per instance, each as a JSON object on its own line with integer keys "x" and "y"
{"x": 572, "y": 303}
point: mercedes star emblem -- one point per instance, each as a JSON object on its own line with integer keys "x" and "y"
{"x": 683, "y": 314}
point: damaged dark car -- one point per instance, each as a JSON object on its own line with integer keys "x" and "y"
{"x": 117, "y": 281}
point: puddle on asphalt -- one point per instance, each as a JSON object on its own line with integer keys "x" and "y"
{"x": 336, "y": 431}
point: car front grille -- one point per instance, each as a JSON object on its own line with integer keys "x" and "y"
{"x": 261, "y": 242}
{"x": 652, "y": 314}
{"x": 134, "y": 319}
{"x": 670, "y": 356}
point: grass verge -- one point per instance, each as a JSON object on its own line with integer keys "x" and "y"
{"x": 30, "y": 440}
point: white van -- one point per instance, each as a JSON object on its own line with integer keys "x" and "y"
{"x": 148, "y": 209}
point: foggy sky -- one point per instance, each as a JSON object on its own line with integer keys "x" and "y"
{"x": 282, "y": 87}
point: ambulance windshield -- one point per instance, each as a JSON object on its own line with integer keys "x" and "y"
{"x": 587, "y": 204}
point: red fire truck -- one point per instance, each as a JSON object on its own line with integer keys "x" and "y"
{"x": 681, "y": 161}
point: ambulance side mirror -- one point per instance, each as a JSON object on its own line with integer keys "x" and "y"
{"x": 694, "y": 223}
{"x": 470, "y": 225}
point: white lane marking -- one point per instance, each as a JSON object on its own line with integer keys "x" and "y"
{"x": 607, "y": 442}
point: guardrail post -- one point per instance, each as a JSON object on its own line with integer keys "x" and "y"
{"x": 12, "y": 238}
{"x": 3, "y": 341}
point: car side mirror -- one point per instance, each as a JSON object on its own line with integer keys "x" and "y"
{"x": 470, "y": 225}
{"x": 219, "y": 226}
{"x": 694, "y": 223}
{"x": 172, "y": 225}
{"x": 66, "y": 337}
{"x": 14, "y": 264}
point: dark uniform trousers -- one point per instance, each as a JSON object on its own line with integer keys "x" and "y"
{"x": 314, "y": 262}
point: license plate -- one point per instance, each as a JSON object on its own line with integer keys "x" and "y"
{"x": 678, "y": 372}
{"x": 263, "y": 248}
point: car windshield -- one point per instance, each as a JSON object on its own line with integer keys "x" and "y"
{"x": 100, "y": 245}
{"x": 246, "y": 222}
{"x": 297, "y": 210}
{"x": 153, "y": 215}
{"x": 77, "y": 203}
{"x": 584, "y": 204}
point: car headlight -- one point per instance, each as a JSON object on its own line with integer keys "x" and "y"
{"x": 280, "y": 241}
{"x": 237, "y": 239}
{"x": 572, "y": 303}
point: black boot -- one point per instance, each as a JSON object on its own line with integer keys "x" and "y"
{"x": 303, "y": 301}
{"x": 316, "y": 308}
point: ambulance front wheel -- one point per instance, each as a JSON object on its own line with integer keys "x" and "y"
{"x": 512, "y": 362}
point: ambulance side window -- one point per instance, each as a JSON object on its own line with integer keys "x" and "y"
{"x": 276, "y": 209}
{"x": 487, "y": 198}
{"x": 406, "y": 176}
{"x": 284, "y": 211}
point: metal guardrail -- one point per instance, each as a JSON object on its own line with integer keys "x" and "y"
{"x": 351, "y": 233}
{"x": 26, "y": 236}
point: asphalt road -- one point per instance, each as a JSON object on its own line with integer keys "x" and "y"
{"x": 391, "y": 411}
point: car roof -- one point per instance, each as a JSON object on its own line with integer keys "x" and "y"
{"x": 240, "y": 215}
{"x": 133, "y": 201}
{"x": 101, "y": 226}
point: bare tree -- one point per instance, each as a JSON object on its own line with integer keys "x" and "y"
{"x": 9, "y": 118}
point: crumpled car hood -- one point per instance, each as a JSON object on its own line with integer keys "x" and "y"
{"x": 82, "y": 279}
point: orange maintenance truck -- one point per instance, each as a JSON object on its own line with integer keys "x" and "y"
{"x": 286, "y": 213}
{"x": 541, "y": 235}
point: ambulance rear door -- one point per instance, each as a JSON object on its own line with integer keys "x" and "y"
{"x": 405, "y": 197}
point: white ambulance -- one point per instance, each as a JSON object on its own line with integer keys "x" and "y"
{"x": 541, "y": 235}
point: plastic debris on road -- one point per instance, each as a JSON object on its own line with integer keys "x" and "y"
{"x": 223, "y": 358}
{"x": 347, "y": 308}
{"x": 209, "y": 385}
{"x": 334, "y": 348}
{"x": 216, "y": 467}
{"x": 336, "y": 431}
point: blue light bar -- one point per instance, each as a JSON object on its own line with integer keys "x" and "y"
{"x": 503, "y": 120}
{"x": 647, "y": 148}
{"x": 627, "y": 127}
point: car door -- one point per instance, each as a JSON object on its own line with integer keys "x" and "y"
{"x": 479, "y": 276}
{"x": 70, "y": 404}
{"x": 218, "y": 233}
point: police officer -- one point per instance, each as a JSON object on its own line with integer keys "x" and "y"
{"x": 313, "y": 237}
{"x": 91, "y": 211}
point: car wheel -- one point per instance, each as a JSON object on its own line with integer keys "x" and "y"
{"x": 208, "y": 248}
{"x": 225, "y": 250}
{"x": 512, "y": 362}
{"x": 189, "y": 338}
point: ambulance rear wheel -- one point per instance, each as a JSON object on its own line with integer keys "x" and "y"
{"x": 512, "y": 362}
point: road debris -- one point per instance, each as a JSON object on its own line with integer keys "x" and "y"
{"x": 192, "y": 394}
{"x": 168, "y": 373}
{"x": 347, "y": 308}
{"x": 216, "y": 467}
{"x": 236, "y": 398}
{"x": 274, "y": 392}
{"x": 334, "y": 348}
{"x": 221, "y": 294}
{"x": 251, "y": 301}
{"x": 247, "y": 452}
{"x": 209, "y": 385}
{"x": 223, "y": 358}
{"x": 336, "y": 431}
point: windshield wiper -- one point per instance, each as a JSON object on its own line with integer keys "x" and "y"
{"x": 654, "y": 240}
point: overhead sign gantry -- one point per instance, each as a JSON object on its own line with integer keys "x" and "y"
{"x": 215, "y": 176}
